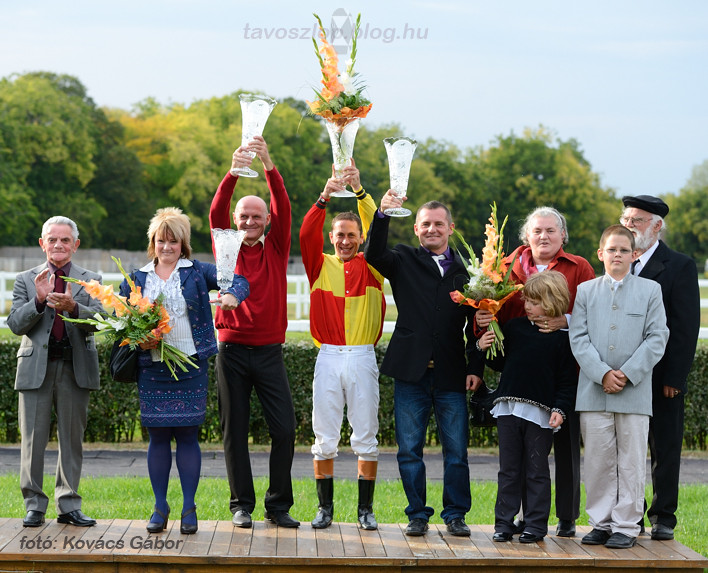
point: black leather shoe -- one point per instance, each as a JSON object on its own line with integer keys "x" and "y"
{"x": 620, "y": 541}
{"x": 527, "y": 537}
{"x": 566, "y": 528}
{"x": 661, "y": 532}
{"x": 189, "y": 528}
{"x": 33, "y": 518}
{"x": 416, "y": 527}
{"x": 596, "y": 537}
{"x": 458, "y": 528}
{"x": 519, "y": 526}
{"x": 158, "y": 526}
{"x": 76, "y": 518}
{"x": 242, "y": 519}
{"x": 502, "y": 536}
{"x": 281, "y": 519}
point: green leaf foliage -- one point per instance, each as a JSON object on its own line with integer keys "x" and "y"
{"x": 111, "y": 169}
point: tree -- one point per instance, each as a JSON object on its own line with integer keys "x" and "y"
{"x": 111, "y": 169}
{"x": 699, "y": 176}
{"x": 119, "y": 187}
{"x": 54, "y": 145}
{"x": 48, "y": 146}
{"x": 687, "y": 222}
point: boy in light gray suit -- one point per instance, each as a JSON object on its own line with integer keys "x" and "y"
{"x": 618, "y": 334}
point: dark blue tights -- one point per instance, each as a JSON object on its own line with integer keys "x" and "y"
{"x": 189, "y": 465}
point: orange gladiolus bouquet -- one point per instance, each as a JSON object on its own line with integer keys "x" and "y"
{"x": 339, "y": 100}
{"x": 134, "y": 320}
{"x": 490, "y": 284}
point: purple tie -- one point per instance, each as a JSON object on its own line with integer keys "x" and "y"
{"x": 58, "y": 326}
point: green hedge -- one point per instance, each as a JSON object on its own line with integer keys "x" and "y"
{"x": 114, "y": 414}
{"x": 696, "y": 421}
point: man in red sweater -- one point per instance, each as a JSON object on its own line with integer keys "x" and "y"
{"x": 250, "y": 342}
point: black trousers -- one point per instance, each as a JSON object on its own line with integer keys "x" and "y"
{"x": 566, "y": 451}
{"x": 239, "y": 370}
{"x": 523, "y": 462}
{"x": 665, "y": 442}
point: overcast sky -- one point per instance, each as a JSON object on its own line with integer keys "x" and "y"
{"x": 627, "y": 79}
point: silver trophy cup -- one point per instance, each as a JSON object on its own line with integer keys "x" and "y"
{"x": 227, "y": 244}
{"x": 342, "y": 139}
{"x": 255, "y": 110}
{"x": 400, "y": 156}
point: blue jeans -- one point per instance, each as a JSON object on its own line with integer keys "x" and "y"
{"x": 413, "y": 402}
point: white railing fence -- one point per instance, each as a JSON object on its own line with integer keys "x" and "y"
{"x": 299, "y": 299}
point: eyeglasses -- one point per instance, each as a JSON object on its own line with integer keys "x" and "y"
{"x": 623, "y": 252}
{"x": 635, "y": 220}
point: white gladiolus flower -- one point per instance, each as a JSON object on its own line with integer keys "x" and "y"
{"x": 105, "y": 322}
{"x": 117, "y": 324}
{"x": 347, "y": 84}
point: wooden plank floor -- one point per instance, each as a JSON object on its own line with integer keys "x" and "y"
{"x": 121, "y": 545}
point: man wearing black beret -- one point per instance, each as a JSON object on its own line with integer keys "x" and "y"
{"x": 677, "y": 275}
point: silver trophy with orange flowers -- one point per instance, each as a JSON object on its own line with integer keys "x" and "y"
{"x": 340, "y": 101}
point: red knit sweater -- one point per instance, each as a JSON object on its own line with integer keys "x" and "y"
{"x": 263, "y": 317}
{"x": 574, "y": 267}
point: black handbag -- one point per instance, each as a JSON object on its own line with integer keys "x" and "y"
{"x": 481, "y": 404}
{"x": 123, "y": 363}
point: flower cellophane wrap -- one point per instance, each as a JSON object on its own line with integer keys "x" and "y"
{"x": 134, "y": 320}
{"x": 340, "y": 100}
{"x": 490, "y": 284}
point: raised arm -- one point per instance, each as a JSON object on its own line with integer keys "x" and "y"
{"x": 376, "y": 252}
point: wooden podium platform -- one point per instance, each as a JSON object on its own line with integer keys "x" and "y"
{"x": 124, "y": 546}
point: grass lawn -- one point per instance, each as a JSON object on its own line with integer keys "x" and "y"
{"x": 131, "y": 498}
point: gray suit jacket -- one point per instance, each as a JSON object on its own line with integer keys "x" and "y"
{"x": 622, "y": 330}
{"x": 35, "y": 329}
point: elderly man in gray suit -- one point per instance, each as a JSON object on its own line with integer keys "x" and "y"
{"x": 57, "y": 365}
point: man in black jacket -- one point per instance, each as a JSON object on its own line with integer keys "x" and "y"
{"x": 426, "y": 358}
{"x": 676, "y": 274}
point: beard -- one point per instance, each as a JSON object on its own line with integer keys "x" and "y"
{"x": 644, "y": 239}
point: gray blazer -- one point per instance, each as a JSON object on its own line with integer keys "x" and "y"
{"x": 622, "y": 330}
{"x": 35, "y": 329}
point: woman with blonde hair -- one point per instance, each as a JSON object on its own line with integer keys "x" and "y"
{"x": 536, "y": 392}
{"x": 172, "y": 408}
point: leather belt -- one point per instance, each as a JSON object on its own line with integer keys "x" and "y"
{"x": 59, "y": 350}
